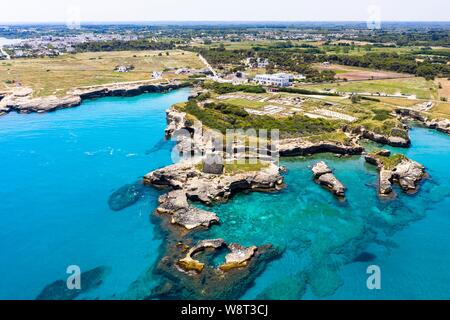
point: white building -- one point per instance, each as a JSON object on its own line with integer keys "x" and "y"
{"x": 122, "y": 69}
{"x": 278, "y": 79}
{"x": 156, "y": 74}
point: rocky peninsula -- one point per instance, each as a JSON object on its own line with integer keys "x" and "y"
{"x": 442, "y": 125}
{"x": 396, "y": 169}
{"x": 21, "y": 99}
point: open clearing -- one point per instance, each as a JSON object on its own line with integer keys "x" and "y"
{"x": 419, "y": 87}
{"x": 444, "y": 92}
{"x": 357, "y": 74}
{"x": 55, "y": 76}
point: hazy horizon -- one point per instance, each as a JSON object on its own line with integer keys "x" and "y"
{"x": 141, "y": 11}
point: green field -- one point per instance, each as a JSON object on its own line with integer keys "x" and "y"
{"x": 55, "y": 76}
{"x": 420, "y": 87}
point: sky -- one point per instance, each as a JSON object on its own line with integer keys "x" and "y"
{"x": 223, "y": 10}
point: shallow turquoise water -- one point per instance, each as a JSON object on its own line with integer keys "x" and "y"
{"x": 406, "y": 237}
{"x": 59, "y": 169}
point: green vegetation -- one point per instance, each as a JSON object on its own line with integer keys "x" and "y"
{"x": 56, "y": 76}
{"x": 226, "y": 117}
{"x": 239, "y": 166}
{"x": 389, "y": 127}
{"x": 222, "y": 88}
{"x": 381, "y": 114}
{"x": 390, "y": 162}
{"x": 307, "y": 92}
{"x": 337, "y": 136}
{"x": 233, "y": 167}
{"x": 121, "y": 45}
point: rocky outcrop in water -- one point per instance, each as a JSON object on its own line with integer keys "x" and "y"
{"x": 190, "y": 278}
{"x": 398, "y": 138}
{"x": 210, "y": 188}
{"x": 175, "y": 203}
{"x": 22, "y": 101}
{"x": 239, "y": 256}
{"x": 324, "y": 176}
{"x": 190, "y": 264}
{"x": 58, "y": 290}
{"x": 396, "y": 169}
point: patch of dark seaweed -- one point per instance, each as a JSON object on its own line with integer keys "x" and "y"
{"x": 89, "y": 280}
{"x": 126, "y": 196}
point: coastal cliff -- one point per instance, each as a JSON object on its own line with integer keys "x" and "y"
{"x": 21, "y": 100}
{"x": 391, "y": 140}
{"x": 442, "y": 125}
{"x": 396, "y": 169}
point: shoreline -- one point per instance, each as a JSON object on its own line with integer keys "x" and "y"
{"x": 21, "y": 100}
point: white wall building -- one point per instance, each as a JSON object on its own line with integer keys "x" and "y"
{"x": 278, "y": 79}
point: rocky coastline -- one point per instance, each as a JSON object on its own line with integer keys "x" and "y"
{"x": 22, "y": 101}
{"x": 392, "y": 140}
{"x": 324, "y": 176}
{"x": 442, "y": 125}
{"x": 396, "y": 169}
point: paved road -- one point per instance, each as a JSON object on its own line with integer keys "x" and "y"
{"x": 5, "y": 54}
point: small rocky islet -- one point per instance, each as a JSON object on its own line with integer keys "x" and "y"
{"x": 187, "y": 266}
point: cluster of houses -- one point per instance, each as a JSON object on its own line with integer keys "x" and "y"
{"x": 57, "y": 45}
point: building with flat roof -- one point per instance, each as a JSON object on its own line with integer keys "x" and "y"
{"x": 278, "y": 79}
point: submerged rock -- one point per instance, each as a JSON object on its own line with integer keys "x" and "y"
{"x": 126, "y": 196}
{"x": 210, "y": 283}
{"x": 396, "y": 168}
{"x": 58, "y": 290}
{"x": 324, "y": 176}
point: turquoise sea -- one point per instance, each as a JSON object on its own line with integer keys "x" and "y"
{"x": 60, "y": 169}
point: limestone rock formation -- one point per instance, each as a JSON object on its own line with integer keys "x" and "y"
{"x": 301, "y": 147}
{"x": 182, "y": 213}
{"x": 324, "y": 176}
{"x": 238, "y": 257}
{"x": 213, "y": 163}
{"x": 208, "y": 188}
{"x": 398, "y": 138}
{"x": 396, "y": 169}
{"x": 190, "y": 264}
{"x": 22, "y": 100}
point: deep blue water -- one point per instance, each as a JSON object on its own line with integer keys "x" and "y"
{"x": 59, "y": 169}
{"x": 57, "y": 173}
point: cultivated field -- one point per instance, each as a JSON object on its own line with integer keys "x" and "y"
{"x": 55, "y": 76}
{"x": 356, "y": 74}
